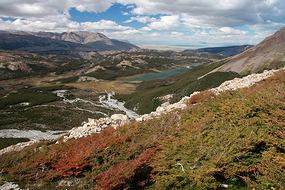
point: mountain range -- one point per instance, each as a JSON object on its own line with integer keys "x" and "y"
{"x": 66, "y": 43}
{"x": 227, "y": 51}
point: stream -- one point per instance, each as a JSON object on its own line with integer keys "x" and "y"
{"x": 106, "y": 101}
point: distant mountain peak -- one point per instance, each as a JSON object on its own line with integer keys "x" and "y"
{"x": 66, "y": 43}
{"x": 84, "y": 37}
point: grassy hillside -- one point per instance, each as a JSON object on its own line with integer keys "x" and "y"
{"x": 145, "y": 99}
{"x": 234, "y": 140}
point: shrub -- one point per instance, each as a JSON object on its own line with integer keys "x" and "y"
{"x": 128, "y": 174}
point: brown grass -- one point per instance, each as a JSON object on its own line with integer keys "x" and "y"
{"x": 98, "y": 87}
{"x": 109, "y": 86}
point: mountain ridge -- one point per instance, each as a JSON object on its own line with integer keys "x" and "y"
{"x": 81, "y": 37}
{"x": 268, "y": 54}
{"x": 66, "y": 43}
{"x": 226, "y": 51}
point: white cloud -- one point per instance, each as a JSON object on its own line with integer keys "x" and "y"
{"x": 125, "y": 13}
{"x": 232, "y": 31}
{"x": 32, "y": 8}
{"x": 267, "y": 26}
{"x": 103, "y": 25}
{"x": 203, "y": 12}
{"x": 123, "y": 35}
{"x": 180, "y": 21}
{"x": 27, "y": 25}
{"x": 62, "y": 25}
{"x": 155, "y": 34}
{"x": 145, "y": 28}
{"x": 177, "y": 33}
{"x": 216, "y": 13}
{"x": 166, "y": 23}
{"x": 141, "y": 19}
{"x": 139, "y": 11}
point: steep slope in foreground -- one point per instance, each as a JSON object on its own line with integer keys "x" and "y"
{"x": 232, "y": 140}
{"x": 268, "y": 54}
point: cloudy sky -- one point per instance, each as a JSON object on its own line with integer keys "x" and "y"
{"x": 165, "y": 22}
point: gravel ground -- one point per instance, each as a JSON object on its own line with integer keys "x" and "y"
{"x": 31, "y": 134}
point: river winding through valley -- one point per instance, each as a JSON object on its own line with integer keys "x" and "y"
{"x": 106, "y": 100}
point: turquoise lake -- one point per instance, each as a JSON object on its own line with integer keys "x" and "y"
{"x": 161, "y": 75}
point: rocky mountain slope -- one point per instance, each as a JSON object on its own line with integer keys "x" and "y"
{"x": 67, "y": 43}
{"x": 81, "y": 37}
{"x": 16, "y": 64}
{"x": 268, "y": 54}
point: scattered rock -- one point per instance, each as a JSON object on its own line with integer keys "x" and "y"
{"x": 244, "y": 82}
{"x": 126, "y": 63}
{"x": 96, "y": 125}
{"x": 9, "y": 186}
{"x": 119, "y": 119}
{"x": 17, "y": 147}
{"x": 68, "y": 183}
{"x": 87, "y": 78}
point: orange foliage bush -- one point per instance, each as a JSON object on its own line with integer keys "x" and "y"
{"x": 122, "y": 174}
{"x": 201, "y": 97}
{"x": 71, "y": 158}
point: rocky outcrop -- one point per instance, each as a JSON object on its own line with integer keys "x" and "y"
{"x": 87, "y": 79}
{"x": 9, "y": 186}
{"x": 12, "y": 63}
{"x": 164, "y": 108}
{"x": 96, "y": 126}
{"x": 244, "y": 82}
{"x": 18, "y": 147}
{"x": 126, "y": 63}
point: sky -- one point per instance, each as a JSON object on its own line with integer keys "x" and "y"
{"x": 193, "y": 23}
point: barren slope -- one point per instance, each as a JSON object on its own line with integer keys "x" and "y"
{"x": 268, "y": 54}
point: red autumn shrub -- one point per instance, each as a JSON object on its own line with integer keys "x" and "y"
{"x": 73, "y": 157}
{"x": 123, "y": 174}
{"x": 201, "y": 97}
